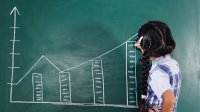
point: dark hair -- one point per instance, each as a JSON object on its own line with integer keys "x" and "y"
{"x": 156, "y": 41}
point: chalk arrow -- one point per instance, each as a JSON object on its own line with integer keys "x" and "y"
{"x": 15, "y": 11}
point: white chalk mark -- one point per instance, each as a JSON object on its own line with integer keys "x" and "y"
{"x": 99, "y": 92}
{"x": 66, "y": 92}
{"x": 101, "y": 54}
{"x": 60, "y": 86}
{"x": 130, "y": 71}
{"x": 14, "y": 53}
{"x": 15, "y": 12}
{"x": 74, "y": 66}
{"x": 98, "y": 81}
{"x": 70, "y": 90}
{"x": 93, "y": 82}
{"x": 15, "y": 27}
{"x": 132, "y": 56}
{"x": 65, "y": 87}
{"x": 98, "y": 78}
{"x": 126, "y": 75}
{"x": 135, "y": 80}
{"x": 15, "y": 40}
{"x": 78, "y": 104}
{"x": 51, "y": 63}
{"x": 98, "y": 86}
{"x": 63, "y": 80}
{"x": 96, "y": 70}
{"x": 29, "y": 70}
{"x": 132, "y": 101}
{"x": 98, "y": 73}
{"x": 131, "y": 51}
{"x": 131, "y": 74}
{"x": 35, "y": 65}
{"x": 103, "y": 83}
{"x": 37, "y": 84}
{"x": 131, "y": 77}
{"x": 12, "y": 84}
{"x": 131, "y": 89}
{"x": 13, "y": 67}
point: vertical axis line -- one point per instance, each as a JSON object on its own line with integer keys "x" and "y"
{"x": 13, "y": 58}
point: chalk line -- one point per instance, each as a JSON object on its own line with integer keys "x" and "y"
{"x": 101, "y": 54}
{"x": 34, "y": 66}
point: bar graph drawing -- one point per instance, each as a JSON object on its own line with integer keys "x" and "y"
{"x": 64, "y": 80}
{"x": 37, "y": 87}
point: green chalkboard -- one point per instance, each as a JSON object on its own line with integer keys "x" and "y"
{"x": 78, "y": 55}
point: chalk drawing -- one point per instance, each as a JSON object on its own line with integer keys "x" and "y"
{"x": 65, "y": 79}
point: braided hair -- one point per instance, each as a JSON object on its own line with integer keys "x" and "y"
{"x": 156, "y": 41}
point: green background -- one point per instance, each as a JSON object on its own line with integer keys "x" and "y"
{"x": 69, "y": 32}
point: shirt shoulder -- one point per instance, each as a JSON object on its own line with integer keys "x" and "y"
{"x": 170, "y": 65}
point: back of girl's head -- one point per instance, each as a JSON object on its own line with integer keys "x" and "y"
{"x": 157, "y": 38}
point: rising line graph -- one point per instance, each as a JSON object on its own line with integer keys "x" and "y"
{"x": 65, "y": 76}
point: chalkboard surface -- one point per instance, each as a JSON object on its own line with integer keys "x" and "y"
{"x": 78, "y": 55}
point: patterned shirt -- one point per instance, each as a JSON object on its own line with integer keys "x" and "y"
{"x": 164, "y": 75}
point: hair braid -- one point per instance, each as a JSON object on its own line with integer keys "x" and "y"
{"x": 146, "y": 66}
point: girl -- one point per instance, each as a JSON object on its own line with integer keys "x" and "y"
{"x": 161, "y": 78}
